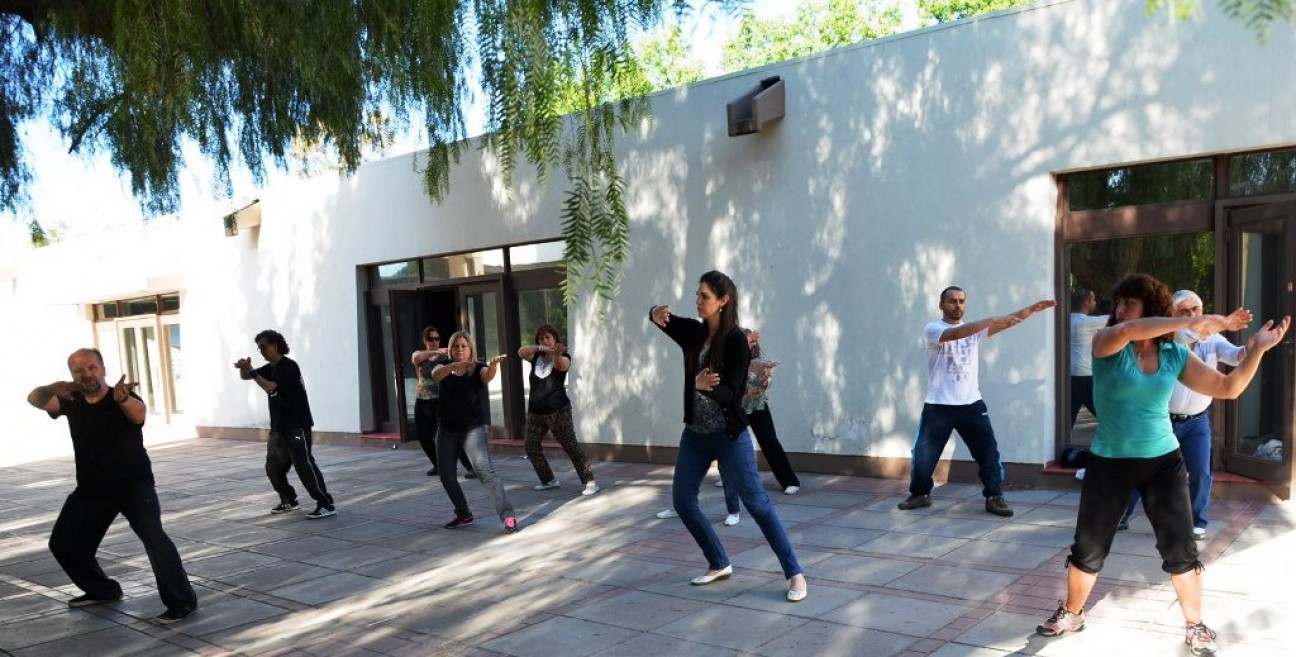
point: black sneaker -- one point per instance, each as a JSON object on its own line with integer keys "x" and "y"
{"x": 471, "y": 474}
{"x": 172, "y": 616}
{"x": 914, "y": 502}
{"x": 89, "y": 600}
{"x": 322, "y": 511}
{"x": 433, "y": 472}
{"x": 459, "y": 521}
{"x": 995, "y": 504}
{"x": 284, "y": 507}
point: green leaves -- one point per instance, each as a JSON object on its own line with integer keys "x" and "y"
{"x": 1259, "y": 16}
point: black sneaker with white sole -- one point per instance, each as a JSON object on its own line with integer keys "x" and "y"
{"x": 89, "y": 600}
{"x": 172, "y": 616}
{"x": 284, "y": 507}
{"x": 322, "y": 511}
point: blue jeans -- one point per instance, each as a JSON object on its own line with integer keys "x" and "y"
{"x": 1195, "y": 442}
{"x": 972, "y": 421}
{"x": 473, "y": 442}
{"x": 738, "y": 467}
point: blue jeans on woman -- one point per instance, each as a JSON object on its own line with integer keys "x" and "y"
{"x": 738, "y": 465}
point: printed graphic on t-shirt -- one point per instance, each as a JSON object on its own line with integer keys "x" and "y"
{"x": 959, "y": 355}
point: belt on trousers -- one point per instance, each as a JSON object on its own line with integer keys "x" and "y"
{"x": 1175, "y": 417}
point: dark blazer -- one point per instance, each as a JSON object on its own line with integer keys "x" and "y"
{"x": 691, "y": 334}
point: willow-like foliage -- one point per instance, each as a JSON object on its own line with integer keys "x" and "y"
{"x": 248, "y": 80}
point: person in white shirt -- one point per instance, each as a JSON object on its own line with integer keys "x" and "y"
{"x": 1190, "y": 416}
{"x": 1084, "y": 324}
{"x": 954, "y": 400}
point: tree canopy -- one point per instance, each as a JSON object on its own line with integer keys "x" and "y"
{"x": 253, "y": 83}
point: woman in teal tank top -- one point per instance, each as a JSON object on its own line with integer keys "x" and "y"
{"x": 1135, "y": 366}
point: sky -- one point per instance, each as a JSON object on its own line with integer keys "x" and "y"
{"x": 80, "y": 194}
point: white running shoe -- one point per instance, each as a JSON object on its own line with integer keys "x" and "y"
{"x": 666, "y": 513}
{"x": 731, "y": 520}
{"x": 791, "y": 490}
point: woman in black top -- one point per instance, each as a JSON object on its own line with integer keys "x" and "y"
{"x": 427, "y": 394}
{"x": 463, "y": 428}
{"x": 549, "y": 409}
{"x": 716, "y": 358}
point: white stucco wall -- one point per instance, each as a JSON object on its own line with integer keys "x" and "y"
{"x": 903, "y": 166}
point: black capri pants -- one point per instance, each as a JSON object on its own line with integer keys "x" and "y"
{"x": 1108, "y": 484}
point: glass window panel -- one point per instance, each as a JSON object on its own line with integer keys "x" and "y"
{"x": 173, "y": 358}
{"x": 1260, "y": 414}
{"x": 463, "y": 265}
{"x": 140, "y": 306}
{"x": 1262, "y": 173}
{"x": 536, "y": 256}
{"x": 106, "y": 310}
{"x": 170, "y": 303}
{"x": 536, "y": 307}
{"x": 397, "y": 273}
{"x": 1152, "y": 183}
{"x": 1182, "y": 262}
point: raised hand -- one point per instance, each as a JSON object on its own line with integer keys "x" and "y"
{"x": 1041, "y": 305}
{"x": 63, "y": 389}
{"x": 495, "y": 361}
{"x": 1268, "y": 336}
{"x": 661, "y": 315}
{"x": 243, "y": 364}
{"x": 706, "y": 380}
{"x": 122, "y": 389}
{"x": 1004, "y": 321}
{"x": 1207, "y": 325}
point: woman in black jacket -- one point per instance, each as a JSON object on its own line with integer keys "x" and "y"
{"x": 716, "y": 358}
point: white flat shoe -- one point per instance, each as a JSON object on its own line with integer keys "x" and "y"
{"x": 731, "y": 520}
{"x": 791, "y": 490}
{"x": 591, "y": 489}
{"x": 794, "y": 595}
{"x": 666, "y": 513}
{"x": 703, "y": 580}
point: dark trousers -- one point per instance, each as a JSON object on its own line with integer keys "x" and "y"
{"x": 1081, "y": 396}
{"x": 288, "y": 450}
{"x": 1195, "y": 444}
{"x": 972, "y": 421}
{"x": 564, "y": 431}
{"x": 762, "y": 427}
{"x": 1108, "y": 484}
{"x": 425, "y": 425}
{"x": 475, "y": 444}
{"x": 85, "y": 518}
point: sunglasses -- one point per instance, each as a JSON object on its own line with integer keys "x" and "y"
{"x": 430, "y": 338}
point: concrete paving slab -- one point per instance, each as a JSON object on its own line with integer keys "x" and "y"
{"x": 896, "y": 614}
{"x": 820, "y": 638}
{"x": 732, "y": 627}
{"x": 638, "y": 610}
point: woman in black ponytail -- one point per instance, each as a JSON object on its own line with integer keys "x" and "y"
{"x": 716, "y": 358}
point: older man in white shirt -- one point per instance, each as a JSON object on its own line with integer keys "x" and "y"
{"x": 1190, "y": 413}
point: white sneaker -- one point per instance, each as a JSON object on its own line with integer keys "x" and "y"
{"x": 666, "y": 513}
{"x": 731, "y": 520}
{"x": 1199, "y": 533}
{"x": 719, "y": 483}
{"x": 548, "y": 485}
{"x": 791, "y": 490}
{"x": 591, "y": 489}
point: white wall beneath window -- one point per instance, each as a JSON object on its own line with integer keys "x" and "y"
{"x": 902, "y": 166}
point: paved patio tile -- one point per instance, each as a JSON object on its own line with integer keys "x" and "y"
{"x": 732, "y": 627}
{"x": 271, "y": 578}
{"x": 56, "y": 626}
{"x": 830, "y": 536}
{"x": 655, "y": 645}
{"x": 886, "y": 520}
{"x": 820, "y": 638}
{"x": 560, "y": 636}
{"x": 639, "y": 610}
{"x": 912, "y": 545}
{"x": 225, "y": 615}
{"x": 821, "y": 600}
{"x": 763, "y": 558}
{"x": 114, "y": 641}
{"x": 329, "y": 588}
{"x": 960, "y": 583}
{"x": 877, "y": 571}
{"x": 1007, "y": 555}
{"x": 896, "y": 614}
{"x": 1054, "y": 537}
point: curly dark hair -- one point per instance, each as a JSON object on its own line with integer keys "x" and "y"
{"x": 547, "y": 328}
{"x": 273, "y": 336}
{"x": 1153, "y": 293}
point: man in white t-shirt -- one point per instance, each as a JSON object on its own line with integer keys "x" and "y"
{"x": 1084, "y": 324}
{"x": 1190, "y": 416}
{"x": 954, "y": 400}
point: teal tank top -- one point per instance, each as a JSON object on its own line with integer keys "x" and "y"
{"x": 1133, "y": 407}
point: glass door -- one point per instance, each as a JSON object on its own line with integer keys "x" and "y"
{"x": 141, "y": 360}
{"x": 1261, "y": 273}
{"x": 480, "y": 314}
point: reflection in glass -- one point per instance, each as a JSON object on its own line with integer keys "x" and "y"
{"x": 173, "y": 345}
{"x": 1152, "y": 183}
{"x": 1262, "y": 173}
{"x": 389, "y": 363}
{"x": 463, "y": 265}
{"x": 397, "y": 273}
{"x": 1259, "y": 408}
{"x": 536, "y": 256}
{"x": 140, "y": 306}
{"x": 1182, "y": 262}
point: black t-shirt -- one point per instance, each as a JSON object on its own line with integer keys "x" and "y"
{"x": 289, "y": 407}
{"x": 109, "y": 447}
{"x": 463, "y": 400}
{"x": 549, "y": 392}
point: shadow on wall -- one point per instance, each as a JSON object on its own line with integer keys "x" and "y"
{"x": 902, "y": 167}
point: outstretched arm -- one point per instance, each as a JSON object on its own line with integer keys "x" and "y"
{"x": 47, "y": 397}
{"x": 1112, "y": 339}
{"x": 1208, "y": 381}
{"x": 995, "y": 324}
